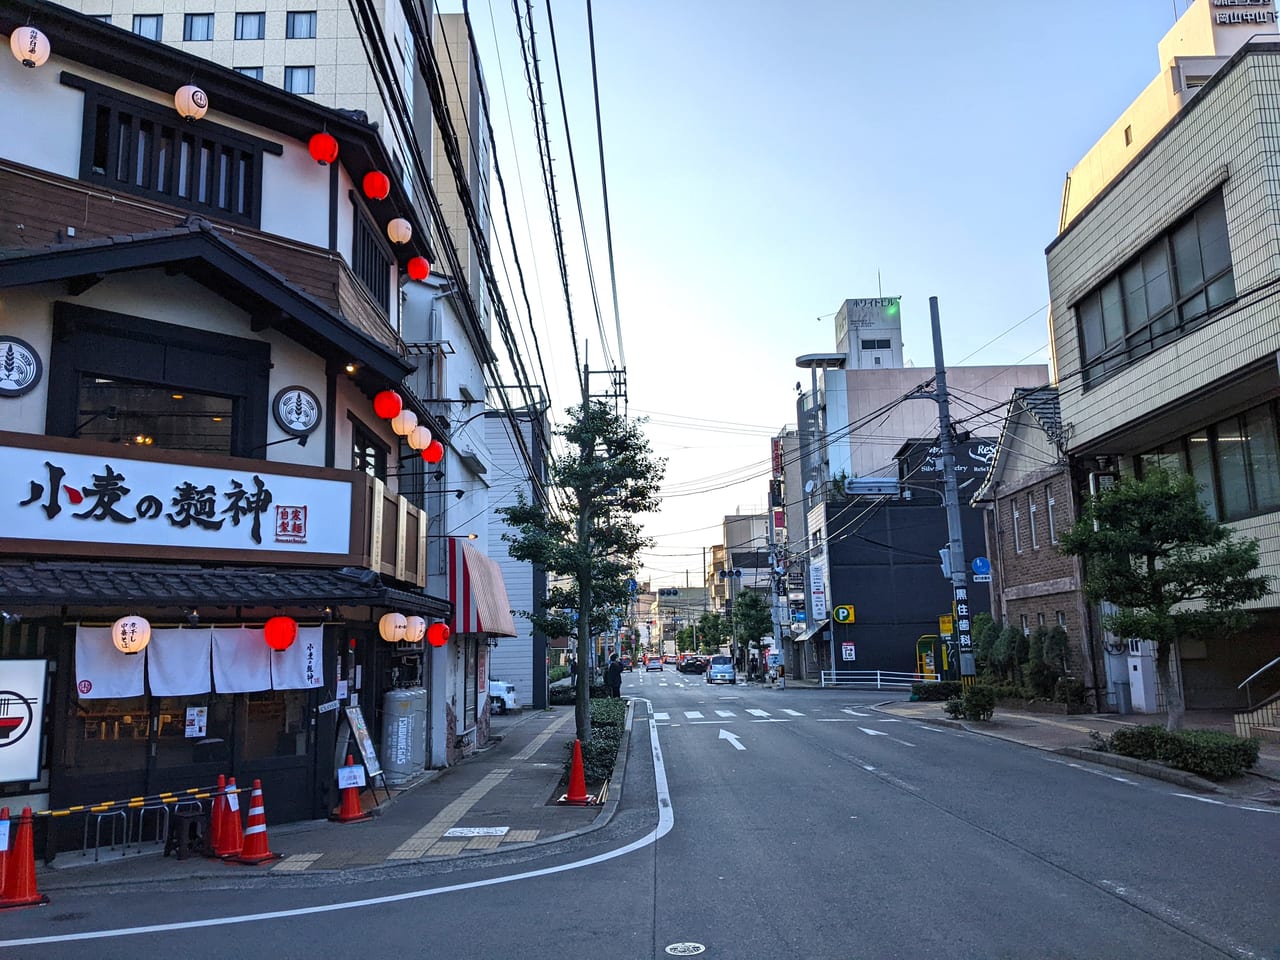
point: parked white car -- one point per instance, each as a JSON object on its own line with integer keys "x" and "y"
{"x": 502, "y": 696}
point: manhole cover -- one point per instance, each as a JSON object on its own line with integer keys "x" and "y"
{"x": 685, "y": 949}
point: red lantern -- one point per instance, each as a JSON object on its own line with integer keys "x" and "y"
{"x": 377, "y": 185}
{"x": 433, "y": 452}
{"x": 387, "y": 404}
{"x": 280, "y": 632}
{"x": 418, "y": 268}
{"x": 438, "y": 634}
{"x": 324, "y": 148}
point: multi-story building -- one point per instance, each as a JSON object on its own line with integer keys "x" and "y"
{"x": 1165, "y": 322}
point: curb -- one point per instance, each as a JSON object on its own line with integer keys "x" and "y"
{"x": 1147, "y": 768}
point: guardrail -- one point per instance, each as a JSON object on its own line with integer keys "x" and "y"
{"x": 875, "y": 678}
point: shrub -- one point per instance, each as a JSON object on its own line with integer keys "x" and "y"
{"x": 599, "y": 755}
{"x": 610, "y": 712}
{"x": 557, "y": 673}
{"x": 1206, "y": 753}
{"x": 1070, "y": 691}
{"x": 936, "y": 690}
{"x": 1042, "y": 678}
{"x": 562, "y": 696}
{"x": 1009, "y": 691}
{"x": 954, "y": 708}
{"x": 976, "y": 703}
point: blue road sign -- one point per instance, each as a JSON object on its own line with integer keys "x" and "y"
{"x": 981, "y": 565}
{"x": 632, "y": 586}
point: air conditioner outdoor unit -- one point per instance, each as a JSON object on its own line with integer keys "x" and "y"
{"x": 871, "y": 487}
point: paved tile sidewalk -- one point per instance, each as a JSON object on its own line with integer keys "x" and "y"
{"x": 498, "y": 798}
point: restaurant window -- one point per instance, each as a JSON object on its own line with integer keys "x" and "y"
{"x": 1167, "y": 290}
{"x": 142, "y": 415}
{"x": 178, "y": 745}
{"x": 371, "y": 261}
{"x": 139, "y": 147}
{"x": 274, "y": 724}
{"x": 368, "y": 453}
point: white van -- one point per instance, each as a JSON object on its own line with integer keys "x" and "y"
{"x": 502, "y": 696}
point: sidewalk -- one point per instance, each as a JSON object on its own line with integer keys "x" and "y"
{"x": 500, "y": 798}
{"x": 1069, "y": 735}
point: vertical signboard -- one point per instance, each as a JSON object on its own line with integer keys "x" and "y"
{"x": 818, "y": 589}
{"x": 22, "y": 684}
{"x": 964, "y": 639}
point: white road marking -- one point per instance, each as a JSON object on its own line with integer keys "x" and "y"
{"x": 662, "y": 716}
{"x": 873, "y": 733}
{"x": 854, "y": 713}
{"x": 887, "y": 720}
{"x": 835, "y": 720}
{"x": 725, "y": 713}
{"x": 792, "y": 713}
{"x": 774, "y": 720}
{"x": 1235, "y": 806}
{"x": 693, "y": 714}
{"x": 757, "y": 713}
{"x": 666, "y": 820}
{"x": 732, "y": 738}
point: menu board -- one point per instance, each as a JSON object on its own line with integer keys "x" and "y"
{"x": 360, "y": 730}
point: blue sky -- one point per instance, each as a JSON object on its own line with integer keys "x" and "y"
{"x": 764, "y": 161}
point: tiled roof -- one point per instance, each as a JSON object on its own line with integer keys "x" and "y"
{"x": 81, "y": 583}
{"x": 1042, "y": 403}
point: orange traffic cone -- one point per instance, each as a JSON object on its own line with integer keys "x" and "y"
{"x": 577, "y": 794}
{"x": 232, "y": 834}
{"x": 350, "y": 811}
{"x": 20, "y": 871}
{"x": 255, "y": 834}
{"x": 214, "y": 847}
{"x": 4, "y": 849}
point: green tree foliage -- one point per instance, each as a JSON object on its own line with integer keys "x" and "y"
{"x": 1056, "y": 648}
{"x": 751, "y": 619}
{"x": 588, "y": 547}
{"x": 713, "y": 632}
{"x": 1171, "y": 570}
{"x": 985, "y": 631}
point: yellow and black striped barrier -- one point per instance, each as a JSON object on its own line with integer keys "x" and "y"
{"x": 133, "y": 803}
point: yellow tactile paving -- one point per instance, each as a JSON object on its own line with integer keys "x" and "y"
{"x": 412, "y": 848}
{"x": 448, "y": 848}
{"x": 520, "y": 836}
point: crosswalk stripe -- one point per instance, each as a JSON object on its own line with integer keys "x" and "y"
{"x": 662, "y": 716}
{"x": 793, "y": 713}
{"x": 693, "y": 714}
{"x": 758, "y": 713}
{"x": 725, "y": 713}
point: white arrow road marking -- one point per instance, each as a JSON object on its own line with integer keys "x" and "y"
{"x": 792, "y": 713}
{"x": 873, "y": 733}
{"x": 725, "y": 713}
{"x": 854, "y": 713}
{"x": 693, "y": 714}
{"x": 662, "y": 716}
{"x": 758, "y": 713}
{"x": 732, "y": 738}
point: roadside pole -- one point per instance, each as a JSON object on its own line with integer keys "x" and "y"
{"x": 951, "y": 498}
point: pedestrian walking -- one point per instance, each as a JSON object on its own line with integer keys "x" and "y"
{"x": 573, "y": 671}
{"x": 613, "y": 676}
{"x": 754, "y": 667}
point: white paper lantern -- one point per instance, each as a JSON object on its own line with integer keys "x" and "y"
{"x": 131, "y": 634}
{"x": 29, "y": 46}
{"x": 415, "y": 630}
{"x": 191, "y": 102}
{"x": 419, "y": 437}
{"x": 400, "y": 230}
{"x": 392, "y": 627}
{"x": 404, "y": 422}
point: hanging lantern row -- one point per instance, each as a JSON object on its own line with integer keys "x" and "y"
{"x": 29, "y": 46}
{"x": 389, "y": 406}
{"x": 397, "y": 628}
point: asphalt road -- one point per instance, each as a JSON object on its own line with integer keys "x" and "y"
{"x": 764, "y": 824}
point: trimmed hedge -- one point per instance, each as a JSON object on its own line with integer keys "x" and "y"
{"x": 936, "y": 690}
{"x": 978, "y": 702}
{"x": 567, "y": 696}
{"x": 607, "y": 719}
{"x": 1206, "y": 753}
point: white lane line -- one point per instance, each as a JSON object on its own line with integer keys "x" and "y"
{"x": 666, "y": 820}
{"x": 697, "y": 723}
{"x": 725, "y": 713}
{"x": 853, "y": 713}
{"x": 693, "y": 714}
{"x": 873, "y": 733}
{"x": 757, "y": 713}
{"x": 774, "y": 720}
{"x": 662, "y": 716}
{"x": 835, "y": 720}
{"x": 903, "y": 742}
{"x": 792, "y": 713}
{"x": 1234, "y": 806}
{"x": 732, "y": 738}
{"x": 887, "y": 720}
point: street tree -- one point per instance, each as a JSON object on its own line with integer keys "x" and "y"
{"x": 1170, "y": 570}
{"x": 586, "y": 536}
{"x": 713, "y": 632}
{"x": 751, "y": 620}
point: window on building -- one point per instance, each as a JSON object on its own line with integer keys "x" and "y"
{"x": 1062, "y": 618}
{"x": 197, "y": 26}
{"x": 1017, "y": 527}
{"x": 875, "y": 344}
{"x": 102, "y": 17}
{"x": 1031, "y": 521}
{"x": 142, "y": 415}
{"x": 300, "y": 79}
{"x": 1167, "y": 290}
{"x": 139, "y": 147}
{"x": 1051, "y": 516}
{"x": 1236, "y": 463}
{"x": 371, "y": 261}
{"x": 1026, "y": 625}
{"x": 410, "y": 68}
{"x": 148, "y": 25}
{"x": 251, "y": 26}
{"x": 300, "y": 25}
{"x": 1128, "y": 136}
{"x": 255, "y": 72}
{"x": 1040, "y": 619}
{"x": 368, "y": 453}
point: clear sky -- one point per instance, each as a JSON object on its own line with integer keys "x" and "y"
{"x": 766, "y": 161}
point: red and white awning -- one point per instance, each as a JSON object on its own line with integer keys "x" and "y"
{"x": 478, "y": 593}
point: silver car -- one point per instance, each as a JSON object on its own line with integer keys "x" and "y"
{"x": 720, "y": 670}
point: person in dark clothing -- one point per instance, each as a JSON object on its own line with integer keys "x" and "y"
{"x": 573, "y": 671}
{"x": 613, "y": 676}
{"x": 753, "y": 668}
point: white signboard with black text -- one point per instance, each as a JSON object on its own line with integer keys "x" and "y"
{"x": 51, "y": 495}
{"x": 22, "y": 684}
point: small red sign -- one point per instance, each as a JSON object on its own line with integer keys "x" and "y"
{"x": 291, "y": 524}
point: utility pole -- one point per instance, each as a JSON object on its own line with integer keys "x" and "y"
{"x": 951, "y": 499}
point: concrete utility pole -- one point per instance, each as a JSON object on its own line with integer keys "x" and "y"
{"x": 951, "y": 499}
